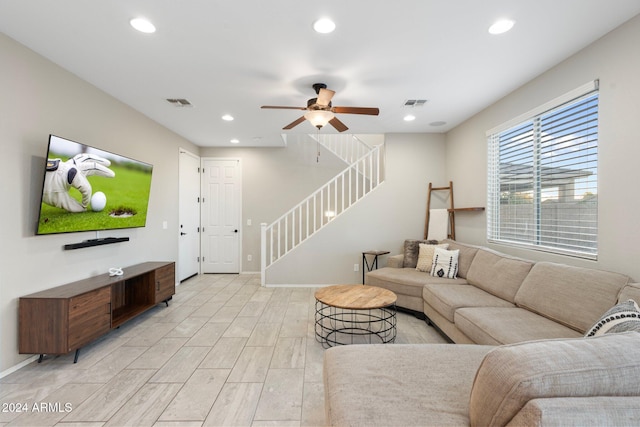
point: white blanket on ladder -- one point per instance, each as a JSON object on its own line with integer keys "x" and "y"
{"x": 438, "y": 224}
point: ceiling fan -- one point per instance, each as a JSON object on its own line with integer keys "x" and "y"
{"x": 320, "y": 111}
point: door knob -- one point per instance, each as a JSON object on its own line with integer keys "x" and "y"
{"x": 235, "y": 231}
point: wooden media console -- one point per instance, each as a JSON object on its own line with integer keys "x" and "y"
{"x": 65, "y": 318}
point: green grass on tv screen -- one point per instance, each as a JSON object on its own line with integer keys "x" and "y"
{"x": 127, "y": 193}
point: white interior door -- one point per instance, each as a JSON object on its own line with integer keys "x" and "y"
{"x": 221, "y": 215}
{"x": 189, "y": 215}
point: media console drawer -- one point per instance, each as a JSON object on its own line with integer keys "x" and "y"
{"x": 65, "y": 318}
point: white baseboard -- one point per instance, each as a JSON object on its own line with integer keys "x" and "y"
{"x": 298, "y": 285}
{"x": 18, "y": 366}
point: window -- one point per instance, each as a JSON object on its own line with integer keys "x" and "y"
{"x": 543, "y": 177}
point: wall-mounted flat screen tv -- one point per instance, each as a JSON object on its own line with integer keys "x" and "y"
{"x": 88, "y": 189}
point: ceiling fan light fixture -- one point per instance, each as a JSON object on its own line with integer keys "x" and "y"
{"x": 324, "y": 26}
{"x": 319, "y": 118}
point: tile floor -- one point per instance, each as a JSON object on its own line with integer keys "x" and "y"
{"x": 226, "y": 352}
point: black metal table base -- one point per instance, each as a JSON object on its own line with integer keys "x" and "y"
{"x": 337, "y": 326}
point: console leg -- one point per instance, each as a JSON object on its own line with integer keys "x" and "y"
{"x": 40, "y": 358}
{"x": 166, "y": 302}
{"x": 75, "y": 358}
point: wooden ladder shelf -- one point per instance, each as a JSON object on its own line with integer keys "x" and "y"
{"x": 451, "y": 232}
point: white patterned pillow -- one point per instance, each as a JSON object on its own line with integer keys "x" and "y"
{"x": 445, "y": 263}
{"x": 622, "y": 317}
{"x": 425, "y": 256}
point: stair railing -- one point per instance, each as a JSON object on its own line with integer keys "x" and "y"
{"x": 331, "y": 200}
{"x": 349, "y": 148}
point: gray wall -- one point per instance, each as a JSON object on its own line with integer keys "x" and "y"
{"x": 615, "y": 60}
{"x": 381, "y": 221}
{"x": 39, "y": 98}
{"x": 273, "y": 181}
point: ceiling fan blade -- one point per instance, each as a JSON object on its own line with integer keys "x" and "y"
{"x": 340, "y": 127}
{"x": 294, "y": 123}
{"x": 356, "y": 110}
{"x": 324, "y": 96}
{"x": 279, "y": 107}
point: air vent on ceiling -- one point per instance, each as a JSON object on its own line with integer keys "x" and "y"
{"x": 179, "y": 102}
{"x": 411, "y": 103}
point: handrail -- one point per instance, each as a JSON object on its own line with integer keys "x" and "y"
{"x": 349, "y": 148}
{"x": 316, "y": 211}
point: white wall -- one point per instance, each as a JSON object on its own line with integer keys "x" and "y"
{"x": 39, "y": 98}
{"x": 615, "y": 60}
{"x": 273, "y": 181}
{"x": 393, "y": 212}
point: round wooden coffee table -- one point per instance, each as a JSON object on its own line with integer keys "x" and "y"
{"x": 350, "y": 314}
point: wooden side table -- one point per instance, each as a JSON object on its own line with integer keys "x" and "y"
{"x": 374, "y": 261}
{"x": 350, "y": 314}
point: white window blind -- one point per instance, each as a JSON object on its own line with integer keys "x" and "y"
{"x": 543, "y": 178}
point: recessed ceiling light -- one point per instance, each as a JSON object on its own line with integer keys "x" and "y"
{"x": 227, "y": 117}
{"x": 501, "y": 26}
{"x": 324, "y": 25}
{"x": 235, "y": 141}
{"x": 143, "y": 25}
{"x": 409, "y": 118}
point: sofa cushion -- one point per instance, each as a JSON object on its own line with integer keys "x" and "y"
{"x": 406, "y": 281}
{"x": 510, "y": 376}
{"x": 445, "y": 263}
{"x": 399, "y": 384}
{"x": 630, "y": 291}
{"x": 579, "y": 295}
{"x": 498, "y": 274}
{"x": 411, "y": 251}
{"x": 465, "y": 258}
{"x": 622, "y": 317}
{"x": 579, "y": 411}
{"x": 447, "y": 299}
{"x": 505, "y": 325}
{"x": 395, "y": 261}
{"x": 425, "y": 256}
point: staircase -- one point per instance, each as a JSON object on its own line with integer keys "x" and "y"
{"x": 364, "y": 173}
{"x": 348, "y": 148}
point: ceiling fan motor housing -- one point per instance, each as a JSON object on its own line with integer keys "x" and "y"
{"x": 312, "y": 104}
{"x": 318, "y": 86}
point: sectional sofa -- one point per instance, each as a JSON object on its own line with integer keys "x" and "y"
{"x": 521, "y": 357}
{"x": 499, "y": 299}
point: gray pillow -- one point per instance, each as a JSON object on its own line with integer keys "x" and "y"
{"x": 412, "y": 250}
{"x": 622, "y": 317}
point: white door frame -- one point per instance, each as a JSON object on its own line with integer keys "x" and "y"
{"x": 181, "y": 152}
{"x": 240, "y": 227}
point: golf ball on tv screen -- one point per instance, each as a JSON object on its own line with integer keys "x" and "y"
{"x": 98, "y": 201}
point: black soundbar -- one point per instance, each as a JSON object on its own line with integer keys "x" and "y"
{"x": 95, "y": 242}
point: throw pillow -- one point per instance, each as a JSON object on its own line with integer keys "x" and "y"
{"x": 445, "y": 263}
{"x": 425, "y": 256}
{"x": 411, "y": 250}
{"x": 622, "y": 317}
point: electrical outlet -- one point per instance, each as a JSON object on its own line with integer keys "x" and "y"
{"x": 356, "y": 267}
{"x": 249, "y": 257}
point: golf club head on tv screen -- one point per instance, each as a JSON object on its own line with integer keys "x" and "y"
{"x": 88, "y": 189}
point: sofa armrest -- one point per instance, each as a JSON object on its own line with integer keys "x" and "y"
{"x": 512, "y": 375}
{"x": 395, "y": 261}
{"x": 579, "y": 411}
